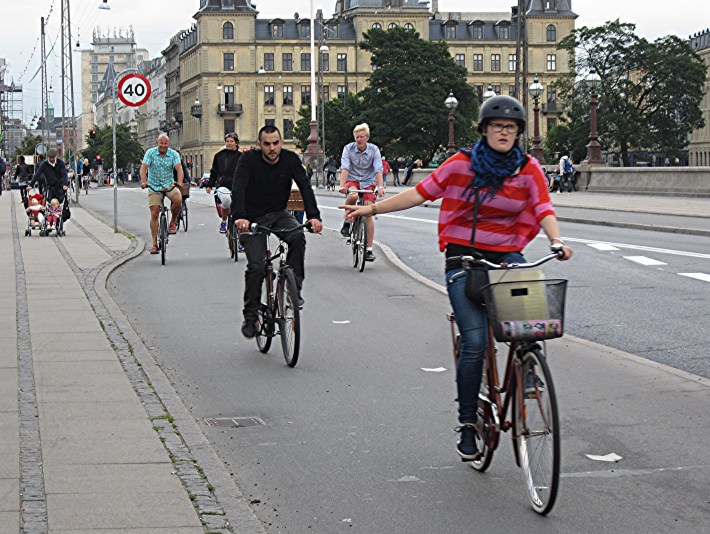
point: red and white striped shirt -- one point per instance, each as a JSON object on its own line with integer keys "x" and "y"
{"x": 506, "y": 222}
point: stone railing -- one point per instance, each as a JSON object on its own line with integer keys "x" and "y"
{"x": 675, "y": 181}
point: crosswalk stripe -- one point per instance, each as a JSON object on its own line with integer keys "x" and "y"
{"x": 698, "y": 276}
{"x": 643, "y": 260}
{"x": 602, "y": 246}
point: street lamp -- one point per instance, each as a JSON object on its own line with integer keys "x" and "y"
{"x": 536, "y": 89}
{"x": 594, "y": 152}
{"x": 490, "y": 93}
{"x": 452, "y": 104}
{"x": 312, "y": 149}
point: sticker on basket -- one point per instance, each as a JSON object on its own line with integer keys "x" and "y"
{"x": 532, "y": 329}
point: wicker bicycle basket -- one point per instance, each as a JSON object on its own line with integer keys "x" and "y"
{"x": 184, "y": 190}
{"x": 295, "y": 201}
{"x": 526, "y": 310}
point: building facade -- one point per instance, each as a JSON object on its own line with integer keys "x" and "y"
{"x": 151, "y": 115}
{"x": 699, "y": 141}
{"x": 237, "y": 72}
{"x": 118, "y": 48}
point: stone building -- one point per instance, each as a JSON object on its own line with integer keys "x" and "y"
{"x": 119, "y": 47}
{"x": 232, "y": 71}
{"x": 151, "y": 115}
{"x": 699, "y": 141}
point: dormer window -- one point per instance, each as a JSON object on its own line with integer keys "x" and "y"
{"x": 450, "y": 30}
{"x": 391, "y": 25}
{"x": 550, "y": 5}
{"x": 409, "y": 26}
{"x": 477, "y": 31}
{"x": 304, "y": 30}
{"x": 277, "y": 29}
{"x": 377, "y": 26}
{"x": 503, "y": 31}
{"x": 332, "y": 31}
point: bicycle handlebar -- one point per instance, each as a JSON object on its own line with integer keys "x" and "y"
{"x": 470, "y": 261}
{"x": 163, "y": 191}
{"x": 257, "y": 228}
{"x": 350, "y": 191}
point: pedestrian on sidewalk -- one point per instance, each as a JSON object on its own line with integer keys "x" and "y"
{"x": 394, "y": 167}
{"x": 510, "y": 189}
{"x": 566, "y": 173}
{"x": 385, "y": 170}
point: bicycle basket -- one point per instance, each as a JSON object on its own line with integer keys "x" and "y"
{"x": 526, "y": 310}
{"x": 185, "y": 190}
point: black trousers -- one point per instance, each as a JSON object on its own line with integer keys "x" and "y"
{"x": 255, "y": 249}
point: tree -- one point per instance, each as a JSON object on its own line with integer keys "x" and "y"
{"x": 128, "y": 149}
{"x": 650, "y": 93}
{"x": 404, "y": 101}
{"x": 28, "y": 144}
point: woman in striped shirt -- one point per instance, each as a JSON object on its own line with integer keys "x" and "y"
{"x": 513, "y": 205}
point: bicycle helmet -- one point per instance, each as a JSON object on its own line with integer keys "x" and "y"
{"x": 501, "y": 107}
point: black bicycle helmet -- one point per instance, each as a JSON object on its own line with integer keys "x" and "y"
{"x": 501, "y": 107}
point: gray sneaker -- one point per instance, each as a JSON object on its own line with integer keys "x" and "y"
{"x": 345, "y": 230}
{"x": 249, "y": 329}
{"x": 369, "y": 256}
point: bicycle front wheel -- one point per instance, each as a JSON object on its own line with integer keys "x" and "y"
{"x": 537, "y": 431}
{"x": 163, "y": 236}
{"x": 290, "y": 316}
{"x": 353, "y": 242}
{"x": 265, "y": 322}
{"x": 361, "y": 240}
{"x": 184, "y": 215}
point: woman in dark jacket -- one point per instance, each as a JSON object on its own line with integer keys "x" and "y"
{"x": 22, "y": 171}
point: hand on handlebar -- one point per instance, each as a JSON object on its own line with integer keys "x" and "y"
{"x": 315, "y": 226}
{"x": 563, "y": 251}
{"x": 144, "y": 185}
{"x": 380, "y": 192}
{"x": 242, "y": 225}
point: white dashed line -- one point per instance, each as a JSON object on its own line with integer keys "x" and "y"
{"x": 602, "y": 246}
{"x": 643, "y": 260}
{"x": 698, "y": 276}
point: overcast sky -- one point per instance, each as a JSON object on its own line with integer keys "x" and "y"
{"x": 155, "y": 21}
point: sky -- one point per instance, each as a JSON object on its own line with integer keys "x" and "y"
{"x": 155, "y": 21}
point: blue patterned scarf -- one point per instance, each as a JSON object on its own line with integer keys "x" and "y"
{"x": 491, "y": 168}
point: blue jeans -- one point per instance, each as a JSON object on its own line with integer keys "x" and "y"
{"x": 473, "y": 325}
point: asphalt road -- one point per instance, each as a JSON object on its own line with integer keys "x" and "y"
{"x": 359, "y": 437}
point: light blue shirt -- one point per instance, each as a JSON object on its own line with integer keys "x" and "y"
{"x": 362, "y": 166}
{"x": 160, "y": 168}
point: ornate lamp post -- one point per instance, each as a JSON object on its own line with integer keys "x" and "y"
{"x": 594, "y": 152}
{"x": 536, "y": 89}
{"x": 452, "y": 104}
{"x": 311, "y": 153}
{"x": 490, "y": 93}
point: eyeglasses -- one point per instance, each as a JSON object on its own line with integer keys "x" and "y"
{"x": 509, "y": 128}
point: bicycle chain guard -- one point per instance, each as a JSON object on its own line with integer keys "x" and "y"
{"x": 488, "y": 424}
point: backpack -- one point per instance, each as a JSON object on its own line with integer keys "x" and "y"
{"x": 569, "y": 168}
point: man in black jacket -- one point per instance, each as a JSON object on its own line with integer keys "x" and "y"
{"x": 224, "y": 165}
{"x": 52, "y": 174}
{"x": 262, "y": 186}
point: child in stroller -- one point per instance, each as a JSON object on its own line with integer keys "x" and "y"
{"x": 54, "y": 215}
{"x": 35, "y": 209}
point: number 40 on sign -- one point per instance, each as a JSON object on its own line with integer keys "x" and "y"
{"x": 134, "y": 90}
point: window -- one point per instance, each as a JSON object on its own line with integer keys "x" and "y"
{"x": 409, "y": 26}
{"x": 94, "y": 59}
{"x": 94, "y": 68}
{"x": 228, "y": 61}
{"x": 305, "y": 95}
{"x": 377, "y": 26}
{"x": 478, "y": 31}
{"x": 332, "y": 31}
{"x": 391, "y": 25}
{"x": 228, "y": 31}
{"x": 305, "y": 62}
{"x": 512, "y": 62}
{"x": 551, "y": 123}
{"x": 450, "y": 31}
{"x": 551, "y": 33}
{"x": 324, "y": 61}
{"x": 478, "y": 89}
{"x": 94, "y": 77}
{"x": 460, "y": 60}
{"x": 268, "y": 95}
{"x": 229, "y": 96}
{"x": 228, "y": 126}
{"x": 504, "y": 31}
{"x": 551, "y": 93}
{"x": 288, "y": 129}
{"x": 511, "y": 90}
{"x": 268, "y": 61}
{"x": 342, "y": 62}
{"x": 341, "y": 91}
{"x": 277, "y": 30}
{"x": 287, "y": 61}
{"x": 269, "y": 122}
{"x": 304, "y": 31}
{"x": 551, "y": 62}
{"x": 288, "y": 95}
{"x": 326, "y": 92}
{"x": 477, "y": 61}
{"x": 495, "y": 62}
{"x": 496, "y": 89}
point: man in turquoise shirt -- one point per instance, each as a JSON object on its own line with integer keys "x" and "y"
{"x": 157, "y": 174}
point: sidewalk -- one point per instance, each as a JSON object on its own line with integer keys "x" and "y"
{"x": 80, "y": 452}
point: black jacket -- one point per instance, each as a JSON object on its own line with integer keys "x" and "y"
{"x": 54, "y": 178}
{"x": 260, "y": 188}
{"x": 22, "y": 171}
{"x": 224, "y": 166}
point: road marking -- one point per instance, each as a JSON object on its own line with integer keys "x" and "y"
{"x": 602, "y": 246}
{"x": 434, "y": 369}
{"x": 641, "y": 247}
{"x": 698, "y": 276}
{"x": 643, "y": 260}
{"x": 389, "y": 216}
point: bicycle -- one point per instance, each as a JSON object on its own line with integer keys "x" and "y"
{"x": 163, "y": 229}
{"x": 527, "y": 390}
{"x": 235, "y": 247}
{"x": 357, "y": 238}
{"x": 182, "y": 216}
{"x": 279, "y": 311}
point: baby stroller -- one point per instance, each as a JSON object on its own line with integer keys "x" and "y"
{"x": 35, "y": 207}
{"x": 58, "y": 226}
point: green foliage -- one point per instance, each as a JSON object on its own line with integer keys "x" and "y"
{"x": 27, "y": 146}
{"x": 128, "y": 149}
{"x": 404, "y": 101}
{"x": 650, "y": 92}
{"x": 340, "y": 118}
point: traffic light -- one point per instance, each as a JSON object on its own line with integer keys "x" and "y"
{"x": 92, "y": 134}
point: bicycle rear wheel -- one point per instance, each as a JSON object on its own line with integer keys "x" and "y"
{"x": 163, "y": 235}
{"x": 537, "y": 431}
{"x": 290, "y": 316}
{"x": 361, "y": 240}
{"x": 184, "y": 215}
{"x": 486, "y": 428}
{"x": 265, "y": 322}
{"x": 354, "y": 228}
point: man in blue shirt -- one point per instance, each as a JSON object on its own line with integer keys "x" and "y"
{"x": 157, "y": 173}
{"x": 361, "y": 168}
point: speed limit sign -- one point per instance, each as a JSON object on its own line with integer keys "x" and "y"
{"x": 134, "y": 90}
